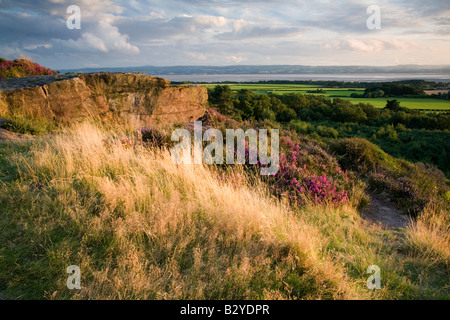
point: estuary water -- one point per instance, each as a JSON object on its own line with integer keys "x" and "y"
{"x": 354, "y": 77}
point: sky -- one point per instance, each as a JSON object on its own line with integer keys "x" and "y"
{"x": 199, "y": 32}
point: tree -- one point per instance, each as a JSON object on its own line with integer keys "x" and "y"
{"x": 268, "y": 114}
{"x": 393, "y": 105}
{"x": 223, "y": 97}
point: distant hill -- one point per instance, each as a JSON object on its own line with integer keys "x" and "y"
{"x": 19, "y": 68}
{"x": 270, "y": 69}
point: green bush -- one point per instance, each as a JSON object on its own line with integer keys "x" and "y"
{"x": 411, "y": 186}
{"x": 327, "y": 132}
{"x": 360, "y": 155}
{"x": 300, "y": 126}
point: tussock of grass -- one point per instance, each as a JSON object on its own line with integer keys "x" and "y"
{"x": 429, "y": 236}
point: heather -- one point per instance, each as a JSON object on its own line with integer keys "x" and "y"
{"x": 414, "y": 135}
{"x": 309, "y": 173}
{"x": 306, "y": 173}
{"x": 22, "y": 68}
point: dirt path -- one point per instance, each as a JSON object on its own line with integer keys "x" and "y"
{"x": 382, "y": 210}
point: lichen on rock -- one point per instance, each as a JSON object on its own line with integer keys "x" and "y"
{"x": 143, "y": 99}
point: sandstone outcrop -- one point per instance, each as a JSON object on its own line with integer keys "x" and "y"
{"x": 140, "y": 98}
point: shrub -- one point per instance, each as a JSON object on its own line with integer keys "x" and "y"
{"x": 300, "y": 126}
{"x": 360, "y": 155}
{"x": 378, "y": 181}
{"x": 154, "y": 137}
{"x": 308, "y": 172}
{"x": 22, "y": 68}
{"x": 411, "y": 187}
{"x": 327, "y": 132}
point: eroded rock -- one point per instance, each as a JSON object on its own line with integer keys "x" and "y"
{"x": 140, "y": 98}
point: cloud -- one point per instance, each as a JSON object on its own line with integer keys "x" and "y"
{"x": 196, "y": 56}
{"x": 371, "y": 45}
{"x": 181, "y": 32}
{"x": 235, "y": 59}
{"x": 103, "y": 38}
{"x": 147, "y": 28}
{"x": 244, "y": 30}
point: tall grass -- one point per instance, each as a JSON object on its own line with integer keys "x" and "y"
{"x": 429, "y": 236}
{"x": 139, "y": 226}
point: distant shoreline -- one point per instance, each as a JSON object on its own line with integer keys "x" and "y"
{"x": 366, "y": 77}
{"x": 252, "y": 73}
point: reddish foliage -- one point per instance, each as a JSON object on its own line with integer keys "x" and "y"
{"x": 22, "y": 68}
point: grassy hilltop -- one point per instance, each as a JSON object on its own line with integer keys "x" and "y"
{"x": 108, "y": 198}
{"x": 141, "y": 227}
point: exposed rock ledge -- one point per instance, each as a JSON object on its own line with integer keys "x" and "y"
{"x": 136, "y": 97}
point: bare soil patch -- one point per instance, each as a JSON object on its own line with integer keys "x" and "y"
{"x": 382, "y": 210}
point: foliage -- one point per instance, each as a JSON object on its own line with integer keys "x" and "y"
{"x": 28, "y": 125}
{"x": 154, "y": 138}
{"x": 412, "y": 187}
{"x": 310, "y": 173}
{"x": 22, "y": 68}
{"x": 247, "y": 105}
{"x": 395, "y": 90}
{"x": 405, "y": 133}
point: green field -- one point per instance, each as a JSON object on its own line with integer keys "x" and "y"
{"x": 291, "y": 88}
{"x": 412, "y": 103}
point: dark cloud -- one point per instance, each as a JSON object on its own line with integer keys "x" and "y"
{"x": 33, "y": 28}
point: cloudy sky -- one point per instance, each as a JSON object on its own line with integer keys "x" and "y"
{"x": 225, "y": 32}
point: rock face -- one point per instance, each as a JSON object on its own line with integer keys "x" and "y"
{"x": 139, "y": 98}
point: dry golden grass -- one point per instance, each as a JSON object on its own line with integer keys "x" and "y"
{"x": 150, "y": 229}
{"x": 429, "y": 236}
{"x": 141, "y": 227}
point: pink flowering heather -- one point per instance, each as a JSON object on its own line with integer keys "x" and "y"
{"x": 126, "y": 143}
{"x": 22, "y": 68}
{"x": 310, "y": 173}
{"x": 306, "y": 172}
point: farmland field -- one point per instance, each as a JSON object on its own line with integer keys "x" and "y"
{"x": 412, "y": 103}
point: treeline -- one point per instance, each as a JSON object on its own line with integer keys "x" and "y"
{"x": 247, "y": 105}
{"x": 355, "y": 84}
{"x": 394, "y": 90}
{"x": 405, "y": 89}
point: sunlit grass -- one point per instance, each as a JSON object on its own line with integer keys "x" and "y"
{"x": 141, "y": 227}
